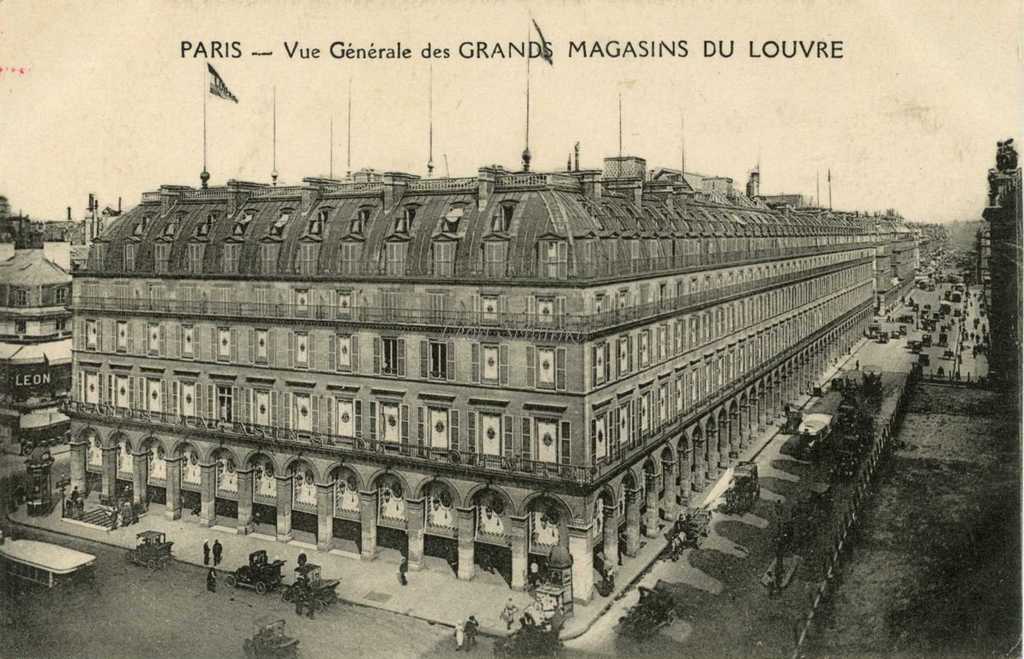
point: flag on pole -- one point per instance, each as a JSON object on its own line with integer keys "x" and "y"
{"x": 217, "y": 86}
{"x": 545, "y": 50}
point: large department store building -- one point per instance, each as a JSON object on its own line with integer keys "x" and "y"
{"x": 474, "y": 368}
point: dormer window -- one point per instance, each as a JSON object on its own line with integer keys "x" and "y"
{"x": 170, "y": 229}
{"x": 203, "y": 229}
{"x": 444, "y": 258}
{"x": 554, "y": 259}
{"x": 140, "y": 227}
{"x": 242, "y": 224}
{"x": 360, "y": 221}
{"x": 404, "y": 223}
{"x": 316, "y": 224}
{"x": 451, "y": 220}
{"x": 277, "y": 230}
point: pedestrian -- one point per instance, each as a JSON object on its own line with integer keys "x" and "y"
{"x": 211, "y": 580}
{"x": 403, "y": 568}
{"x": 113, "y": 519}
{"x": 534, "y": 578}
{"x": 508, "y": 614}
{"x": 206, "y": 552}
{"x": 471, "y": 629}
{"x": 218, "y": 551}
{"x": 460, "y": 636}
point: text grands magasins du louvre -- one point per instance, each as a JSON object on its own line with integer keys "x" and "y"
{"x": 781, "y": 49}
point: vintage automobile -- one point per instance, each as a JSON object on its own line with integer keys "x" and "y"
{"x": 269, "y": 640}
{"x": 814, "y": 430}
{"x": 744, "y": 489}
{"x": 926, "y": 340}
{"x": 531, "y": 640}
{"x": 260, "y": 574}
{"x": 308, "y": 584}
{"x": 152, "y": 550}
{"x": 655, "y": 609}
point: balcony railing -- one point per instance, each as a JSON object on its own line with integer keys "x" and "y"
{"x": 570, "y": 324}
{"x": 350, "y": 446}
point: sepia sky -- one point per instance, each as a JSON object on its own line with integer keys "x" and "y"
{"x": 907, "y": 119}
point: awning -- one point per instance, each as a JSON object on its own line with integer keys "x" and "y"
{"x": 34, "y": 420}
{"x": 56, "y": 352}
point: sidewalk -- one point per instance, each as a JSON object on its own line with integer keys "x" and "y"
{"x": 431, "y": 595}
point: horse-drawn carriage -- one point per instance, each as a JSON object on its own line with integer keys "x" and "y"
{"x": 152, "y": 550}
{"x": 309, "y": 586}
{"x": 688, "y": 532}
{"x": 260, "y": 574}
{"x": 744, "y": 489}
{"x": 531, "y": 640}
{"x": 269, "y": 640}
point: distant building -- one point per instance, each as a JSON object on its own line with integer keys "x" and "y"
{"x": 35, "y": 344}
{"x": 1003, "y": 215}
{"x": 786, "y": 199}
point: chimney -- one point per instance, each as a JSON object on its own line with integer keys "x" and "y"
{"x": 395, "y": 185}
{"x": 590, "y": 182}
{"x": 6, "y": 251}
{"x": 58, "y": 253}
{"x": 69, "y": 213}
{"x": 486, "y": 178}
{"x": 92, "y": 202}
{"x": 118, "y": 205}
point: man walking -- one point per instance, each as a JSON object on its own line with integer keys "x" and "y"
{"x": 218, "y": 551}
{"x": 206, "y": 552}
{"x": 403, "y": 568}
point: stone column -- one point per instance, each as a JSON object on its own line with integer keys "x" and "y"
{"x": 368, "y": 525}
{"x": 414, "y": 531}
{"x": 467, "y": 540}
{"x": 632, "y": 522}
{"x": 140, "y": 476}
{"x": 110, "y": 471}
{"x": 685, "y": 476}
{"x": 732, "y": 452}
{"x": 651, "y": 516}
{"x": 244, "y": 499}
{"x": 611, "y": 537}
{"x": 520, "y": 555}
{"x": 173, "y": 482}
{"x": 711, "y": 463}
{"x": 78, "y": 456}
{"x": 207, "y": 494}
{"x": 284, "y": 508}
{"x": 669, "y": 503}
{"x": 324, "y": 516}
{"x": 581, "y": 549}
{"x": 699, "y": 469}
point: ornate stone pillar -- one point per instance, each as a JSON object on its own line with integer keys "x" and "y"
{"x": 368, "y": 525}
{"x": 140, "y": 476}
{"x": 173, "y": 482}
{"x": 520, "y": 552}
{"x": 110, "y": 471}
{"x": 284, "y": 508}
{"x": 244, "y": 499}
{"x": 581, "y": 549}
{"x": 467, "y": 542}
{"x": 324, "y": 516}
{"x": 651, "y": 516}
{"x": 669, "y": 503}
{"x": 632, "y": 522}
{"x": 207, "y": 494}
{"x": 414, "y": 532}
{"x": 78, "y": 456}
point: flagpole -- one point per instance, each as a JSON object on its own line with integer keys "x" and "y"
{"x": 526, "y": 150}
{"x": 331, "y": 169}
{"x": 830, "y": 188}
{"x": 204, "y": 177}
{"x": 620, "y": 124}
{"x": 273, "y": 172}
{"x": 430, "y": 117}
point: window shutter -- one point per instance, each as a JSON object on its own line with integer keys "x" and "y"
{"x": 560, "y": 303}
{"x": 507, "y": 423}
{"x": 629, "y": 352}
{"x": 312, "y": 351}
{"x": 277, "y": 416}
{"x": 246, "y": 405}
{"x": 613, "y": 432}
{"x": 475, "y": 365}
{"x": 250, "y": 339}
{"x": 211, "y": 346}
{"x": 132, "y": 393}
{"x": 200, "y": 406}
{"x": 453, "y": 429}
{"x": 291, "y": 350}
{"x": 424, "y": 355}
{"x": 560, "y": 368}
{"x": 211, "y": 402}
{"x": 503, "y": 364}
{"x": 373, "y": 420}
{"x": 530, "y": 365}
{"x": 358, "y": 405}
{"x": 175, "y": 392}
{"x": 236, "y": 404}
{"x": 503, "y": 306}
{"x": 527, "y": 444}
{"x": 376, "y": 355}
{"x": 531, "y": 308}
{"x": 355, "y": 353}
{"x": 164, "y": 402}
{"x": 607, "y": 362}
{"x": 332, "y": 352}
{"x": 234, "y": 345}
{"x": 421, "y": 414}
{"x": 470, "y": 444}
{"x": 163, "y": 340}
{"x": 401, "y": 357}
{"x": 405, "y": 424}
{"x": 179, "y": 339}
{"x": 634, "y": 420}
{"x": 130, "y": 330}
{"x": 451, "y": 359}
{"x": 593, "y": 366}
{"x": 289, "y": 409}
